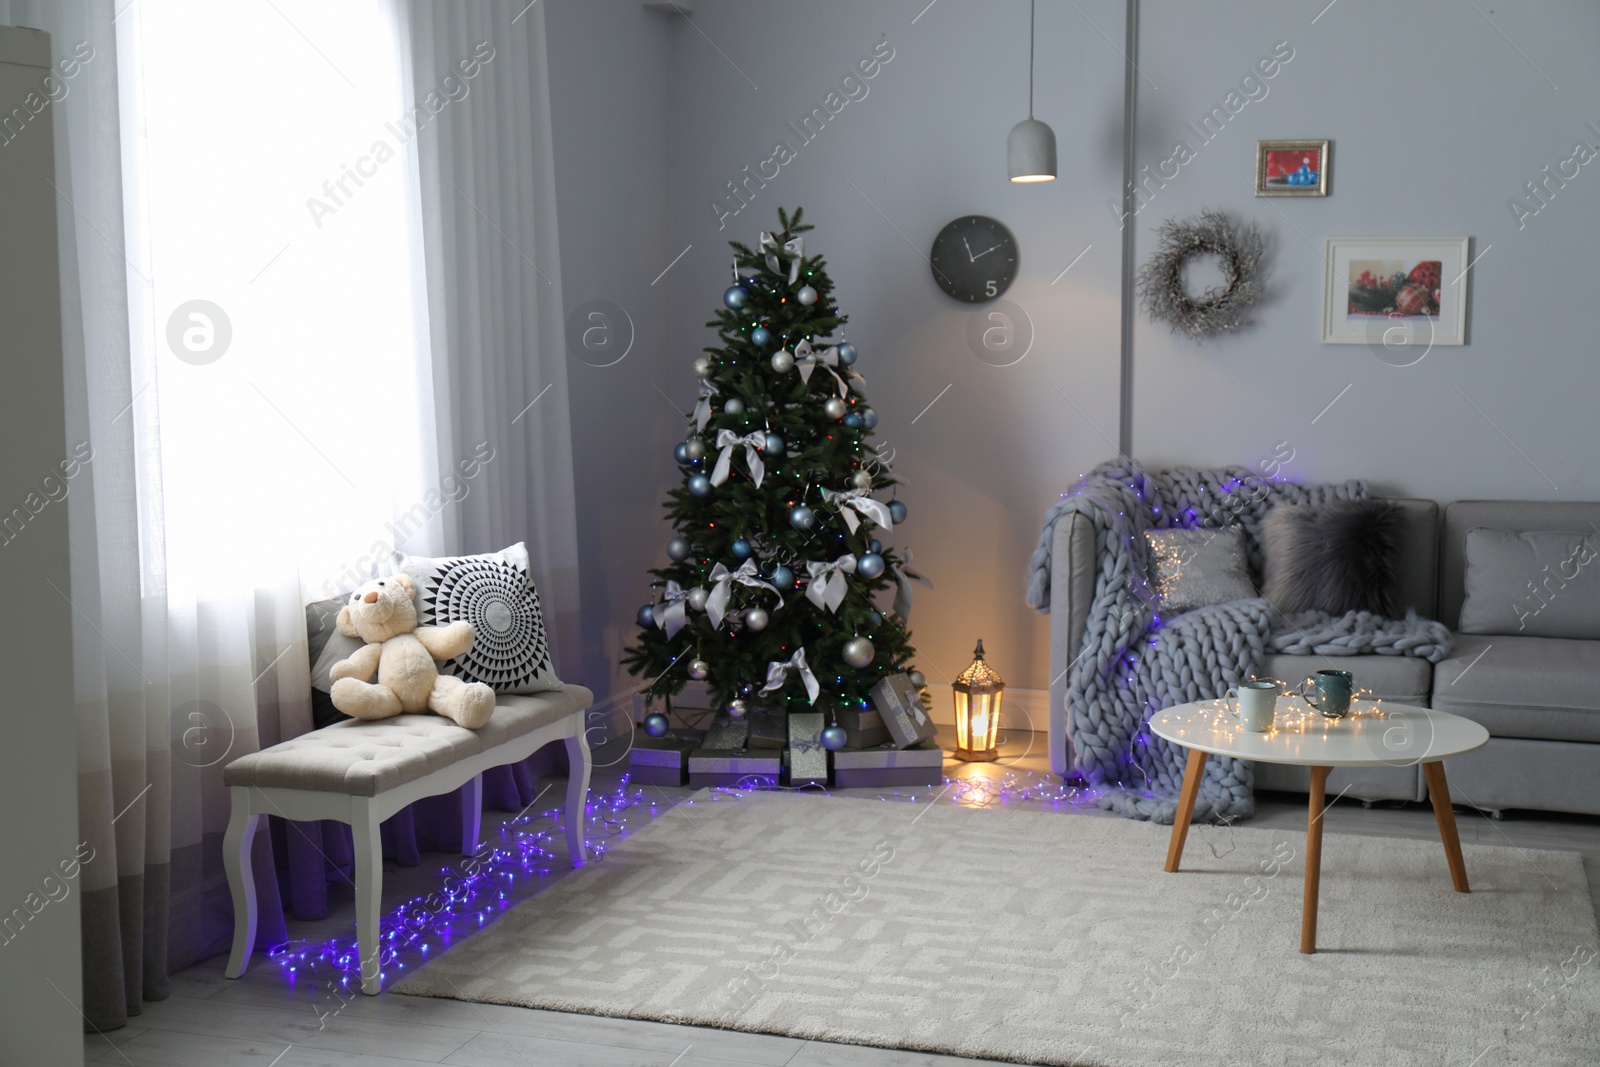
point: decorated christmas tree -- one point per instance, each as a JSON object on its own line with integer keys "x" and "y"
{"x": 778, "y": 576}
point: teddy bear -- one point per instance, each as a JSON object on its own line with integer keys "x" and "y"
{"x": 382, "y": 614}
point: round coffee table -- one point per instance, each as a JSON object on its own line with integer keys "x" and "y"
{"x": 1374, "y": 734}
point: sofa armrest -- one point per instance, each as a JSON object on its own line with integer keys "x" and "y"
{"x": 1073, "y": 569}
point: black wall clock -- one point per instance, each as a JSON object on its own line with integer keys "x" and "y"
{"x": 974, "y": 258}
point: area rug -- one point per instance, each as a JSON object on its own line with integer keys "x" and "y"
{"x": 1039, "y": 937}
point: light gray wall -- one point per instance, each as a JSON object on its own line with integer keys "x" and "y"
{"x": 1437, "y": 120}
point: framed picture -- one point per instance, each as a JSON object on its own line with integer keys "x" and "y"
{"x": 1292, "y": 168}
{"x": 1395, "y": 291}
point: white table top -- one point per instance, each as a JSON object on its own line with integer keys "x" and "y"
{"x": 1375, "y": 733}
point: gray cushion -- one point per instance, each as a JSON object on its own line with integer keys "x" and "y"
{"x": 1195, "y": 568}
{"x": 364, "y": 759}
{"x": 1405, "y": 679}
{"x": 1339, "y": 556}
{"x": 1466, "y": 515}
{"x": 1539, "y": 583}
{"x": 1538, "y": 688}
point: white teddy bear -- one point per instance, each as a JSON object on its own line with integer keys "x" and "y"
{"x": 382, "y": 614}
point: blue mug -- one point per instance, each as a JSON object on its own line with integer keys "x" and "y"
{"x": 1329, "y": 692}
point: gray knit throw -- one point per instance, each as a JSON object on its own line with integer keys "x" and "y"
{"x": 1134, "y": 662}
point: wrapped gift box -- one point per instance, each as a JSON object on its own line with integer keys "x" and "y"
{"x": 808, "y": 760}
{"x": 720, "y": 766}
{"x": 864, "y": 727}
{"x": 727, "y": 732}
{"x": 900, "y": 704}
{"x": 888, "y": 766}
{"x": 662, "y": 760}
{"x": 769, "y": 727}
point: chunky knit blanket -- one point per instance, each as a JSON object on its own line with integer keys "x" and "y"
{"x": 1134, "y": 662}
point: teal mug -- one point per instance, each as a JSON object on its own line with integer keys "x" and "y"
{"x": 1329, "y": 692}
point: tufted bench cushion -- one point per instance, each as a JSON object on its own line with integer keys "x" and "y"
{"x": 364, "y": 759}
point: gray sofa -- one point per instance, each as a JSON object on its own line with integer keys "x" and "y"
{"x": 1539, "y": 697}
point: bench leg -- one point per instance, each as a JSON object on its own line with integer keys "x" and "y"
{"x": 471, "y": 814}
{"x": 369, "y": 890}
{"x": 236, "y": 844}
{"x": 579, "y": 765}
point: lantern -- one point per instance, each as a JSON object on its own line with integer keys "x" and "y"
{"x": 978, "y": 691}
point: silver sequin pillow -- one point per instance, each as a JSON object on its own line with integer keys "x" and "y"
{"x": 1196, "y": 568}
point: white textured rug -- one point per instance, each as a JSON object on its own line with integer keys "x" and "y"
{"x": 1047, "y": 938}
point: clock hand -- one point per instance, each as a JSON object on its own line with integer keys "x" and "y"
{"x": 970, "y": 256}
{"x": 985, "y": 252}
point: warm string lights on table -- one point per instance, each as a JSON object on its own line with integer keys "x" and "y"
{"x": 1293, "y": 716}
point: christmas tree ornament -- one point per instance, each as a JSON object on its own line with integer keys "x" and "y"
{"x": 695, "y": 449}
{"x": 782, "y": 361}
{"x": 702, "y": 367}
{"x": 699, "y": 485}
{"x": 834, "y": 738}
{"x": 834, "y": 408}
{"x": 656, "y": 724}
{"x": 760, "y": 336}
{"x": 738, "y": 709}
{"x": 699, "y": 669}
{"x": 697, "y": 598}
{"x": 646, "y": 615}
{"x": 854, "y": 421}
{"x": 869, "y": 566}
{"x": 874, "y": 545}
{"x": 757, "y": 619}
{"x": 874, "y": 619}
{"x": 897, "y": 512}
{"x": 740, "y": 549}
{"x": 869, "y": 418}
{"x": 782, "y": 577}
{"x": 680, "y": 454}
{"x": 736, "y": 297}
{"x": 861, "y": 479}
{"x": 772, "y": 445}
{"x": 802, "y": 517}
{"x": 807, "y": 295}
{"x": 678, "y": 549}
{"x": 733, "y": 406}
{"x": 917, "y": 678}
{"x": 847, "y": 354}
{"x": 858, "y": 652}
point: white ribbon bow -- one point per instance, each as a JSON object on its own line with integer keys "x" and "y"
{"x": 702, "y": 407}
{"x": 727, "y": 440}
{"x": 851, "y": 501}
{"x": 807, "y": 358}
{"x": 722, "y": 580}
{"x": 672, "y": 614}
{"x": 902, "y": 596}
{"x": 778, "y": 670}
{"x": 794, "y": 248}
{"x": 828, "y": 584}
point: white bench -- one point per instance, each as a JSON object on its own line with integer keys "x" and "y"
{"x": 361, "y": 773}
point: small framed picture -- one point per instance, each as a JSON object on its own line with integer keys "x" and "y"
{"x": 1292, "y": 168}
{"x": 1397, "y": 292}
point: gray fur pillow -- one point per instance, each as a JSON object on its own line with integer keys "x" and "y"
{"x": 1335, "y": 557}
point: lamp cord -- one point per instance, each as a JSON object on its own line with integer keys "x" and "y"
{"x": 1032, "y": 10}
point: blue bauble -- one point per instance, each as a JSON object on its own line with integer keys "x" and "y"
{"x": 760, "y": 336}
{"x": 678, "y": 549}
{"x": 646, "y": 616}
{"x": 874, "y": 545}
{"x": 699, "y": 485}
{"x": 834, "y": 738}
{"x": 740, "y": 549}
{"x": 854, "y": 421}
{"x": 802, "y": 518}
{"x": 656, "y": 725}
{"x": 870, "y": 418}
{"x": 873, "y": 619}
{"x": 680, "y": 452}
{"x": 847, "y": 354}
{"x": 870, "y": 566}
{"x": 897, "y": 512}
{"x": 773, "y": 445}
{"x": 736, "y": 297}
{"x": 782, "y": 577}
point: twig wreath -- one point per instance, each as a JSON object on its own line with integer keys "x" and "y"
{"x": 1218, "y": 309}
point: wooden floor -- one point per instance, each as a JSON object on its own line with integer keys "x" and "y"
{"x": 267, "y": 1019}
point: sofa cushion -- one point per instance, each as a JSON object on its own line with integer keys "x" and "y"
{"x": 1339, "y": 556}
{"x": 1198, "y": 567}
{"x": 1542, "y": 583}
{"x": 363, "y": 759}
{"x": 1403, "y": 679}
{"x": 1537, "y": 688}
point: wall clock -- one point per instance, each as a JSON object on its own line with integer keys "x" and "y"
{"x": 974, "y": 258}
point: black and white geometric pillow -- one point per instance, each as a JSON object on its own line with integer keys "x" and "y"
{"x": 493, "y": 592}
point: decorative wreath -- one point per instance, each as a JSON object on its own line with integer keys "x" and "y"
{"x": 1218, "y": 309}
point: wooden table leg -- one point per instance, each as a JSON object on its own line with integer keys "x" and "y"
{"x": 1308, "y": 908}
{"x": 1439, "y": 793}
{"x": 1180, "y": 823}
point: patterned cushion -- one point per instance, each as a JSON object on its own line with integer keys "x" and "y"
{"x": 495, "y": 593}
{"x": 1195, "y": 568}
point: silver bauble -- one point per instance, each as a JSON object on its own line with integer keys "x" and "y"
{"x": 698, "y": 669}
{"x": 756, "y": 618}
{"x": 835, "y": 408}
{"x": 702, "y": 367}
{"x": 917, "y": 678}
{"x": 737, "y": 709}
{"x": 806, "y": 295}
{"x": 694, "y": 448}
{"x": 861, "y": 479}
{"x": 782, "y": 361}
{"x": 870, "y": 566}
{"x": 697, "y": 598}
{"x": 858, "y": 652}
{"x": 733, "y": 406}
{"x": 678, "y": 549}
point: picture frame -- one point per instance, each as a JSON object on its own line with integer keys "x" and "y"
{"x": 1396, "y": 292}
{"x": 1293, "y": 168}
